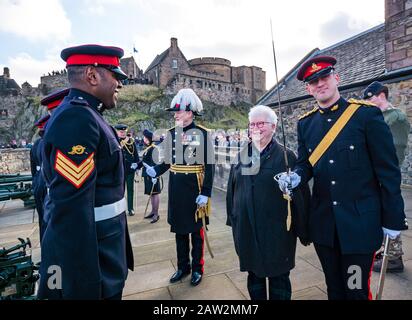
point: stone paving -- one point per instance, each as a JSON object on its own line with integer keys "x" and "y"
{"x": 155, "y": 257}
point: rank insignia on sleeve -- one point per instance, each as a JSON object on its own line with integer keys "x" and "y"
{"x": 79, "y": 150}
{"x": 75, "y": 174}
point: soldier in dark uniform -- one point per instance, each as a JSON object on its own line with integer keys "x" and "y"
{"x": 131, "y": 160}
{"x": 400, "y": 127}
{"x": 151, "y": 185}
{"x": 347, "y": 148}
{"x": 39, "y": 187}
{"x": 38, "y": 184}
{"x": 189, "y": 156}
{"x": 86, "y": 248}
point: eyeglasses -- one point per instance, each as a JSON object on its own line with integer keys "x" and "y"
{"x": 258, "y": 125}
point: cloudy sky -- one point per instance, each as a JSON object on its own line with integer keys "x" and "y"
{"x": 32, "y": 33}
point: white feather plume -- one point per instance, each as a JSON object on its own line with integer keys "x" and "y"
{"x": 186, "y": 97}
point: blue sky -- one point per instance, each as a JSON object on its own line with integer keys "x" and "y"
{"x": 32, "y": 33}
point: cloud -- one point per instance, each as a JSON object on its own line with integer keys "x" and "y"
{"x": 341, "y": 26}
{"x": 24, "y": 67}
{"x": 34, "y": 20}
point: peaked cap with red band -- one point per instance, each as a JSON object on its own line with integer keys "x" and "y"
{"x": 95, "y": 55}
{"x": 42, "y": 122}
{"x": 54, "y": 99}
{"x": 316, "y": 67}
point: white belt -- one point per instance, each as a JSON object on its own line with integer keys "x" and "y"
{"x": 109, "y": 210}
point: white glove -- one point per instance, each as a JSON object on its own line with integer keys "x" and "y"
{"x": 154, "y": 180}
{"x": 149, "y": 170}
{"x": 133, "y": 166}
{"x": 393, "y": 234}
{"x": 287, "y": 181}
{"x": 201, "y": 200}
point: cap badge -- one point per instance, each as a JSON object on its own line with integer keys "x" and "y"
{"x": 77, "y": 150}
{"x": 315, "y": 68}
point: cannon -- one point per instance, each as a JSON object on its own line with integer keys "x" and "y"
{"x": 18, "y": 273}
{"x": 17, "y": 186}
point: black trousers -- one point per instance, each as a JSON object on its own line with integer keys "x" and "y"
{"x": 129, "y": 180}
{"x": 182, "y": 248}
{"x": 279, "y": 287}
{"x": 347, "y": 275}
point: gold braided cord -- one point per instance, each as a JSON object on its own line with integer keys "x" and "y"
{"x": 129, "y": 146}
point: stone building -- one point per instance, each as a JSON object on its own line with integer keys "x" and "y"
{"x": 213, "y": 79}
{"x": 383, "y": 53}
{"x": 129, "y": 66}
{"x": 8, "y": 85}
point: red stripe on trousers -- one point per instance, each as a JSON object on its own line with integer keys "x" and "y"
{"x": 202, "y": 261}
{"x": 370, "y": 297}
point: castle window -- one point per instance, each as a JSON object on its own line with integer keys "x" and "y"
{"x": 174, "y": 63}
{"x": 237, "y": 90}
{"x": 219, "y": 87}
{"x": 190, "y": 82}
{"x": 3, "y": 114}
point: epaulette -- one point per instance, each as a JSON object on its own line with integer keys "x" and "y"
{"x": 78, "y": 101}
{"x": 361, "y": 102}
{"x": 309, "y": 113}
{"x": 202, "y": 127}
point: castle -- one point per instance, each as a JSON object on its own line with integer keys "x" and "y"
{"x": 213, "y": 79}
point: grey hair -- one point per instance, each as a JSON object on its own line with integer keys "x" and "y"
{"x": 269, "y": 113}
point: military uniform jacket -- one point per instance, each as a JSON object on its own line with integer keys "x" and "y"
{"x": 191, "y": 145}
{"x": 148, "y": 159}
{"x": 257, "y": 213}
{"x": 357, "y": 181}
{"x": 39, "y": 187}
{"x": 83, "y": 167}
{"x": 130, "y": 155}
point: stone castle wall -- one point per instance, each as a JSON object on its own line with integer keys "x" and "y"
{"x": 219, "y": 92}
{"x": 14, "y": 161}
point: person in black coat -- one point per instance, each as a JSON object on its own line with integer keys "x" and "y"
{"x": 86, "y": 250}
{"x": 38, "y": 184}
{"x": 151, "y": 185}
{"x": 189, "y": 154}
{"x": 51, "y": 101}
{"x": 356, "y": 181}
{"x": 258, "y": 213}
{"x": 131, "y": 160}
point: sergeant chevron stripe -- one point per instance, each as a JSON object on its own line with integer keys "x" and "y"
{"x": 75, "y": 174}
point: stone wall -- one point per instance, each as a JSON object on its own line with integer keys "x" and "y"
{"x": 398, "y": 34}
{"x": 219, "y": 92}
{"x": 22, "y": 113}
{"x": 53, "y": 82}
{"x": 14, "y": 161}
